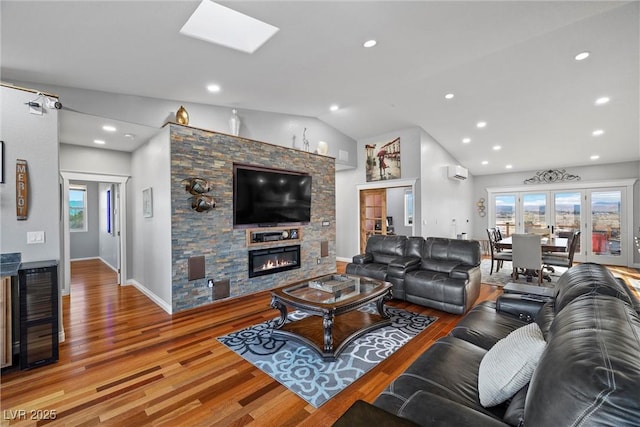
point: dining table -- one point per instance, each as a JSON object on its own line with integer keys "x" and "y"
{"x": 548, "y": 244}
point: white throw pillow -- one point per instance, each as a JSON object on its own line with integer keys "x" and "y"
{"x": 509, "y": 364}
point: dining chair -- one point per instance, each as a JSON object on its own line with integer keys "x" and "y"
{"x": 527, "y": 255}
{"x": 560, "y": 259}
{"x": 497, "y": 257}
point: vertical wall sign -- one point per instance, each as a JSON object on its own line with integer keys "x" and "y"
{"x": 1, "y": 162}
{"x": 22, "y": 189}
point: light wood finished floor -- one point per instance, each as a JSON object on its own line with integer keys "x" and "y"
{"x": 126, "y": 362}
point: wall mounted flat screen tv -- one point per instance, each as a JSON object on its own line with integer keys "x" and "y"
{"x": 269, "y": 197}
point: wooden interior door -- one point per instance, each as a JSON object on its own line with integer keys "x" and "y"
{"x": 373, "y": 214}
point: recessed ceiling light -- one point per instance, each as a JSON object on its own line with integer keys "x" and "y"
{"x": 109, "y": 128}
{"x": 509, "y": 166}
{"x": 466, "y": 140}
{"x": 485, "y": 162}
{"x": 213, "y": 88}
{"x": 603, "y": 100}
{"x": 594, "y": 157}
{"x": 334, "y": 107}
{"x": 582, "y": 55}
{"x": 221, "y": 25}
{"x": 597, "y": 132}
{"x": 99, "y": 141}
{"x": 449, "y": 96}
{"x": 497, "y": 147}
{"x": 481, "y": 124}
{"x": 129, "y": 135}
{"x": 370, "y": 43}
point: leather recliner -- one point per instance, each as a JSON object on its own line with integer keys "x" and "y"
{"x": 434, "y": 272}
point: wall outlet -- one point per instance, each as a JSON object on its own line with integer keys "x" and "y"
{"x": 318, "y": 260}
{"x": 210, "y": 283}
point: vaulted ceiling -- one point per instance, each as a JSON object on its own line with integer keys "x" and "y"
{"x": 509, "y": 64}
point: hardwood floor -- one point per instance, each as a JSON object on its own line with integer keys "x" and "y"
{"x": 127, "y": 362}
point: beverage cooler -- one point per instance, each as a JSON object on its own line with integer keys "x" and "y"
{"x": 38, "y": 313}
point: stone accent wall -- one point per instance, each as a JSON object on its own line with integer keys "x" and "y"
{"x": 210, "y": 155}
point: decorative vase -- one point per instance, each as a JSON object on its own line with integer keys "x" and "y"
{"x": 234, "y": 123}
{"x": 182, "y": 117}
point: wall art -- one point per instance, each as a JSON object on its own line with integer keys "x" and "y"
{"x": 383, "y": 160}
{"x": 147, "y": 202}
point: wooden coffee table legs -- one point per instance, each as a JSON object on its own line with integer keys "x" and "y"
{"x": 328, "y": 331}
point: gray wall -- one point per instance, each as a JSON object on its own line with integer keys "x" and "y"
{"x": 107, "y": 242}
{"x": 33, "y": 138}
{"x": 85, "y": 244}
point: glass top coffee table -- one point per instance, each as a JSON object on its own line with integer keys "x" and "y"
{"x": 332, "y": 303}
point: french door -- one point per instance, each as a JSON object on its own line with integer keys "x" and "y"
{"x": 600, "y": 213}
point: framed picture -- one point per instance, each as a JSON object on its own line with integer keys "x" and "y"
{"x": 147, "y": 202}
{"x": 383, "y": 160}
{"x": 1, "y": 162}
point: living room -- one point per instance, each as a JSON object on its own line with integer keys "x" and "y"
{"x": 442, "y": 206}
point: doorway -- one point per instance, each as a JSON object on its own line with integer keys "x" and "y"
{"x": 115, "y": 189}
{"x": 385, "y": 210}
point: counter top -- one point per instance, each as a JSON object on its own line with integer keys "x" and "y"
{"x": 9, "y": 269}
{"x": 10, "y": 264}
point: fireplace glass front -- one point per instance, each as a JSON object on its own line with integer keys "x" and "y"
{"x": 273, "y": 260}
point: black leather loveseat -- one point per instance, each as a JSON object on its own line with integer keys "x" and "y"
{"x": 586, "y": 372}
{"x": 434, "y": 272}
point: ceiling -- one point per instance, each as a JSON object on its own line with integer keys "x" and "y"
{"x": 510, "y": 64}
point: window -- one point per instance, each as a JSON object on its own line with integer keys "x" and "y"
{"x": 78, "y": 208}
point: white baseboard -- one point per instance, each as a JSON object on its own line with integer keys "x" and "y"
{"x": 343, "y": 259}
{"x": 84, "y": 259}
{"x": 153, "y": 297}
{"x": 107, "y": 264}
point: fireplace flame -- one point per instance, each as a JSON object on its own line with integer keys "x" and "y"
{"x": 276, "y": 264}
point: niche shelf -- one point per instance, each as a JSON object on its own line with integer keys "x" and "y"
{"x": 270, "y": 235}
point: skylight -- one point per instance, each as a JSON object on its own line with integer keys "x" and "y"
{"x": 218, "y": 24}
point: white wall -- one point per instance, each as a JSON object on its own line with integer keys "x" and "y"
{"x": 274, "y": 128}
{"x": 33, "y": 138}
{"x": 151, "y": 237}
{"x": 76, "y": 158}
{"x": 438, "y": 200}
{"x": 447, "y": 204}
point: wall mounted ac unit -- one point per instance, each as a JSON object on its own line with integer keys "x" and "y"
{"x": 458, "y": 172}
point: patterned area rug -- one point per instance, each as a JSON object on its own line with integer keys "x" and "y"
{"x": 305, "y": 372}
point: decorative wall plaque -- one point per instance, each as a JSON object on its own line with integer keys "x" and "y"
{"x": 551, "y": 175}
{"x": 22, "y": 189}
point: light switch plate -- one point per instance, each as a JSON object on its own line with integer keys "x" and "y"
{"x": 35, "y": 237}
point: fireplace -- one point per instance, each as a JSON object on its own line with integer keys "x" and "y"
{"x": 273, "y": 260}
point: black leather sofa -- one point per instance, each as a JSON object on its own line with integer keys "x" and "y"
{"x": 434, "y": 272}
{"x": 588, "y": 373}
